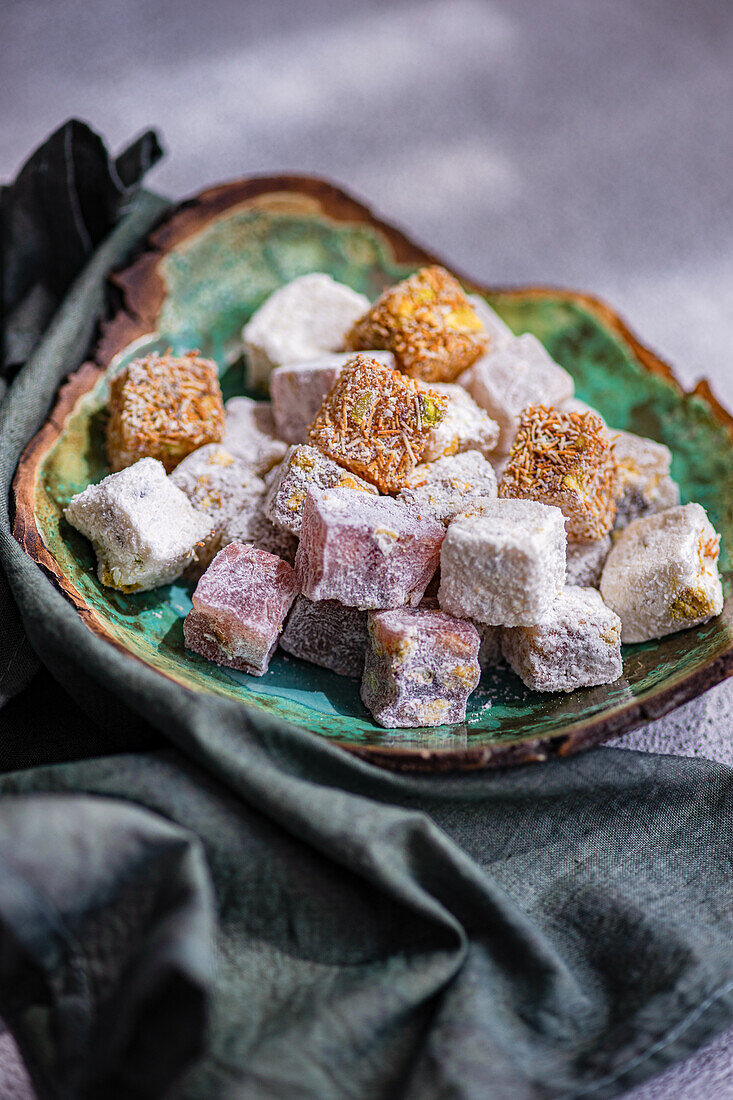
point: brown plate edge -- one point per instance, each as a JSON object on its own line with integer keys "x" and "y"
{"x": 142, "y": 291}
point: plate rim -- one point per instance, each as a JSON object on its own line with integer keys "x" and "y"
{"x": 140, "y": 291}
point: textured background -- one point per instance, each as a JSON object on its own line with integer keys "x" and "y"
{"x": 562, "y": 141}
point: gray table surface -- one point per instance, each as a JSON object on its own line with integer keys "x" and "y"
{"x": 585, "y": 144}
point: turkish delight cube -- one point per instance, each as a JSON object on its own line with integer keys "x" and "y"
{"x": 505, "y": 565}
{"x": 164, "y": 407}
{"x": 662, "y": 573}
{"x": 643, "y": 482}
{"x": 567, "y": 460}
{"x": 298, "y": 389}
{"x": 585, "y": 561}
{"x": 143, "y": 528}
{"x": 239, "y": 607}
{"x": 427, "y": 322}
{"x": 301, "y": 320}
{"x": 443, "y": 489}
{"x": 302, "y": 468}
{"x": 489, "y": 655}
{"x": 365, "y": 551}
{"x": 497, "y": 331}
{"x": 421, "y": 666}
{"x": 375, "y": 422}
{"x": 328, "y": 634}
{"x": 465, "y": 427}
{"x": 575, "y": 405}
{"x": 250, "y": 434}
{"x": 514, "y": 375}
{"x": 257, "y": 529}
{"x": 576, "y": 644}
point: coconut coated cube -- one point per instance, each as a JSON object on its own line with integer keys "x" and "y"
{"x": 421, "y": 666}
{"x": 328, "y": 634}
{"x": 428, "y": 323}
{"x": 443, "y": 489}
{"x": 505, "y": 565}
{"x": 164, "y": 407}
{"x": 465, "y": 427}
{"x": 239, "y": 607}
{"x": 576, "y": 644}
{"x": 302, "y": 468}
{"x": 143, "y": 528}
{"x": 365, "y": 551}
{"x": 514, "y": 375}
{"x": 250, "y": 434}
{"x": 585, "y": 561}
{"x": 567, "y": 460}
{"x": 643, "y": 482}
{"x": 302, "y": 320}
{"x": 662, "y": 573}
{"x": 298, "y": 389}
{"x": 375, "y": 422}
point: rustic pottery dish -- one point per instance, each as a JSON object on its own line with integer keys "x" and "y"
{"x": 206, "y": 268}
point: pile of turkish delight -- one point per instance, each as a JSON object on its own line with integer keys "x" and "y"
{"x": 421, "y": 498}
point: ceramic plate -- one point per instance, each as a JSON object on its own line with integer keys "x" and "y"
{"x": 206, "y": 268}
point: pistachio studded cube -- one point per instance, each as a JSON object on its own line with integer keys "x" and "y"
{"x": 143, "y": 528}
{"x": 327, "y": 634}
{"x": 302, "y": 468}
{"x": 298, "y": 389}
{"x": 443, "y": 489}
{"x": 239, "y": 607}
{"x": 497, "y": 331}
{"x": 567, "y": 460}
{"x": 164, "y": 407}
{"x": 303, "y": 319}
{"x": 375, "y": 422}
{"x": 428, "y": 323}
{"x": 643, "y": 482}
{"x": 514, "y": 375}
{"x": 662, "y": 574}
{"x": 577, "y": 644}
{"x": 365, "y": 551}
{"x": 465, "y": 427}
{"x": 505, "y": 565}
{"x": 421, "y": 666}
{"x": 585, "y": 561}
{"x": 250, "y": 434}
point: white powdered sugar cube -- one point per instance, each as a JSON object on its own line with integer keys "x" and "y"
{"x": 643, "y": 482}
{"x": 301, "y": 320}
{"x": 302, "y": 468}
{"x": 250, "y": 434}
{"x": 143, "y": 528}
{"x": 465, "y": 427}
{"x": 498, "y": 331}
{"x": 585, "y": 561}
{"x": 518, "y": 373}
{"x": 662, "y": 573}
{"x": 297, "y": 390}
{"x": 505, "y": 565}
{"x": 445, "y": 488}
{"x": 576, "y": 644}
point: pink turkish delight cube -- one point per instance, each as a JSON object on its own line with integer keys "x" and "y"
{"x": 328, "y": 634}
{"x": 239, "y": 607}
{"x": 421, "y": 666}
{"x": 365, "y": 551}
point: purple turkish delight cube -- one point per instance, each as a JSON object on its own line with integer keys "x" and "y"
{"x": 328, "y": 634}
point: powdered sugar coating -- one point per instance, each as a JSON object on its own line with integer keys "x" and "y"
{"x": 143, "y": 528}
{"x": 643, "y": 482}
{"x": 443, "y": 489}
{"x": 327, "y": 634}
{"x": 375, "y": 422}
{"x": 662, "y": 573}
{"x": 504, "y": 566}
{"x": 585, "y": 561}
{"x": 239, "y": 607}
{"x": 250, "y": 434}
{"x": 421, "y": 666}
{"x": 489, "y": 655}
{"x": 514, "y": 375}
{"x": 303, "y": 319}
{"x": 302, "y": 468}
{"x": 298, "y": 389}
{"x": 164, "y": 407}
{"x": 465, "y": 427}
{"x": 257, "y": 529}
{"x": 496, "y": 330}
{"x": 576, "y": 644}
{"x": 365, "y": 551}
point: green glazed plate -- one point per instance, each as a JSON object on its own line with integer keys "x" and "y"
{"x": 207, "y": 267}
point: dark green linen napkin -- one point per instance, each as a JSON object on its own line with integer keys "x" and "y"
{"x": 563, "y": 930}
